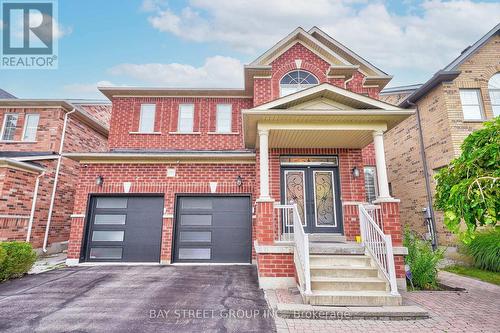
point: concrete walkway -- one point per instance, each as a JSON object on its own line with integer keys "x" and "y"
{"x": 475, "y": 310}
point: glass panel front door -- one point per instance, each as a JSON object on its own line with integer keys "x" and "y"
{"x": 316, "y": 192}
{"x": 295, "y": 191}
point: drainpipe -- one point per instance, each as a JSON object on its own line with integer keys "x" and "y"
{"x": 33, "y": 205}
{"x": 429, "y": 209}
{"x": 56, "y": 179}
{"x": 347, "y": 81}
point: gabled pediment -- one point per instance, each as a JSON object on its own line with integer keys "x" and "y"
{"x": 301, "y": 36}
{"x": 326, "y": 97}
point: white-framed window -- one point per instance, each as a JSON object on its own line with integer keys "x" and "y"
{"x": 9, "y": 126}
{"x": 471, "y": 104}
{"x": 147, "y": 118}
{"x": 296, "y": 80}
{"x": 371, "y": 186}
{"x": 224, "y": 118}
{"x": 186, "y": 118}
{"x": 494, "y": 89}
{"x": 30, "y": 126}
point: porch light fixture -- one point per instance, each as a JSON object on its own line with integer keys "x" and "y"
{"x": 99, "y": 180}
{"x": 355, "y": 172}
{"x": 239, "y": 181}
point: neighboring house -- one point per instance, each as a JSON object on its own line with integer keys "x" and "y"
{"x": 198, "y": 175}
{"x": 33, "y": 133}
{"x": 452, "y": 104}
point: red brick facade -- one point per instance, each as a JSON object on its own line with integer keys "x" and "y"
{"x": 149, "y": 176}
{"x": 17, "y": 187}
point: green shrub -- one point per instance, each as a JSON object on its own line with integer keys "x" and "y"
{"x": 18, "y": 259}
{"x": 485, "y": 249}
{"x": 422, "y": 261}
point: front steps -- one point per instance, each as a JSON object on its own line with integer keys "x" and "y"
{"x": 343, "y": 275}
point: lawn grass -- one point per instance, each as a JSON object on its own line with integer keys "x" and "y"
{"x": 476, "y": 273}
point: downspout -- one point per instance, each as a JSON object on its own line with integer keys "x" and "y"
{"x": 56, "y": 179}
{"x": 33, "y": 205}
{"x": 430, "y": 208}
{"x": 347, "y": 81}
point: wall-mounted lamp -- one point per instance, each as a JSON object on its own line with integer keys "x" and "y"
{"x": 239, "y": 181}
{"x": 355, "y": 172}
{"x": 99, "y": 180}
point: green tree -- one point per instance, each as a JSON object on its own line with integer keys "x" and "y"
{"x": 469, "y": 188}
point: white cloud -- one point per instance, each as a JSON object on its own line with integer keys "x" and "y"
{"x": 425, "y": 39}
{"x": 217, "y": 71}
{"x": 86, "y": 90}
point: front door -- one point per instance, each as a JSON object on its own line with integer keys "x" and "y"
{"x": 316, "y": 191}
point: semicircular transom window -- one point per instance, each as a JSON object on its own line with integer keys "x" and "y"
{"x": 494, "y": 89}
{"x": 296, "y": 80}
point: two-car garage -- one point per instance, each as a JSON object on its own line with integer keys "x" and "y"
{"x": 214, "y": 229}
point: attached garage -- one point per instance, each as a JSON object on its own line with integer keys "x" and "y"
{"x": 124, "y": 229}
{"x": 215, "y": 229}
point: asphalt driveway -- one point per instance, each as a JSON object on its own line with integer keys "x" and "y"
{"x": 136, "y": 299}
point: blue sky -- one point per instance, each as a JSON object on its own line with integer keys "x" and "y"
{"x": 204, "y": 43}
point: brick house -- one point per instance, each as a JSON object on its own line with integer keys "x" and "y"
{"x": 33, "y": 135}
{"x": 451, "y": 104}
{"x": 270, "y": 174}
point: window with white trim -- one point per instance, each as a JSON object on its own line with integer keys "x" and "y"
{"x": 295, "y": 81}
{"x": 471, "y": 104}
{"x": 371, "y": 186}
{"x": 494, "y": 89}
{"x": 224, "y": 118}
{"x": 186, "y": 118}
{"x": 9, "y": 126}
{"x": 147, "y": 118}
{"x": 30, "y": 126}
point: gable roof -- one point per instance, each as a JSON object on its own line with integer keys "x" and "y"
{"x": 343, "y": 61}
{"x": 347, "y": 53}
{"x": 449, "y": 72}
{"x": 327, "y": 90}
{"x": 303, "y": 37}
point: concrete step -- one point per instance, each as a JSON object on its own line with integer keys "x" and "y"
{"x": 336, "y": 248}
{"x": 340, "y": 260}
{"x": 307, "y": 311}
{"x": 328, "y": 238}
{"x": 353, "y": 298}
{"x": 343, "y": 271}
{"x": 348, "y": 284}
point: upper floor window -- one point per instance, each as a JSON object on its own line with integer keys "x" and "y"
{"x": 9, "y": 126}
{"x": 224, "y": 115}
{"x": 296, "y": 81}
{"x": 471, "y": 104}
{"x": 30, "y": 126}
{"x": 147, "y": 118}
{"x": 186, "y": 118}
{"x": 494, "y": 88}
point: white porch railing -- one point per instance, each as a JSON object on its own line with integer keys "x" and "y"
{"x": 378, "y": 245}
{"x": 285, "y": 223}
{"x": 291, "y": 222}
{"x": 375, "y": 212}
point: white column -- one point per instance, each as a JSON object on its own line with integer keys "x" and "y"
{"x": 383, "y": 183}
{"x": 264, "y": 164}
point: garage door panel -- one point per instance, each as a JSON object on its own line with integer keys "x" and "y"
{"x": 220, "y": 234}
{"x": 125, "y": 229}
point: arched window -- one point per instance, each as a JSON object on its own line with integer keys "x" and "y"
{"x": 494, "y": 88}
{"x": 296, "y": 80}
